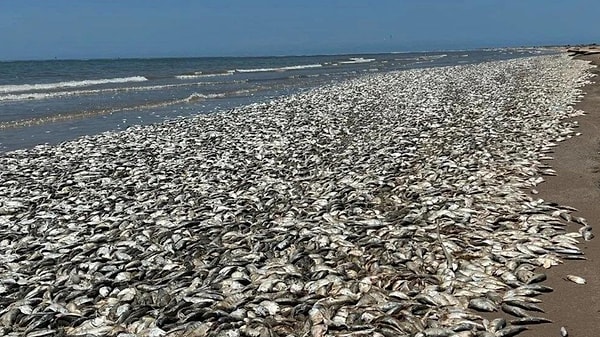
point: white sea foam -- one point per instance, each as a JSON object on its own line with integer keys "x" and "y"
{"x": 433, "y": 57}
{"x": 57, "y": 94}
{"x": 408, "y": 59}
{"x": 199, "y": 74}
{"x": 298, "y": 67}
{"x": 195, "y": 97}
{"x": 199, "y": 97}
{"x": 69, "y": 84}
{"x": 354, "y": 60}
{"x": 422, "y": 58}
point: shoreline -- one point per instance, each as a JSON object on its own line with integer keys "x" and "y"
{"x": 370, "y": 204}
{"x": 54, "y": 110}
{"x": 577, "y": 165}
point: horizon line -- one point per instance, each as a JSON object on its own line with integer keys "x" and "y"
{"x": 286, "y": 55}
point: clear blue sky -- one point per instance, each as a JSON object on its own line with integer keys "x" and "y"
{"x": 45, "y": 29}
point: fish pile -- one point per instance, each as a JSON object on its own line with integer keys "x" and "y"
{"x": 393, "y": 204}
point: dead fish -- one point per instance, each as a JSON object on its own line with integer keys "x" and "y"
{"x": 497, "y": 324}
{"x": 305, "y": 214}
{"x": 573, "y": 257}
{"x": 568, "y": 251}
{"x": 339, "y": 319}
{"x": 530, "y": 320}
{"x": 524, "y": 275}
{"x": 586, "y": 233}
{"x": 576, "y": 279}
{"x": 467, "y": 326}
{"x": 548, "y": 172}
{"x": 41, "y": 333}
{"x": 563, "y": 332}
{"x": 483, "y": 334}
{"x": 580, "y": 220}
{"x": 318, "y": 330}
{"x": 538, "y": 288}
{"x": 99, "y": 326}
{"x": 510, "y": 331}
{"x": 515, "y": 311}
{"x": 566, "y": 216}
{"x": 437, "y": 332}
{"x": 482, "y": 304}
{"x": 536, "y": 278}
{"x": 524, "y": 305}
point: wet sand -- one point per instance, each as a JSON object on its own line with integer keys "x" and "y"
{"x": 577, "y": 184}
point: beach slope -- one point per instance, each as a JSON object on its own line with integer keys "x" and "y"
{"x": 577, "y": 164}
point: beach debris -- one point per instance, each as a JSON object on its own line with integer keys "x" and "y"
{"x": 580, "y": 220}
{"x": 482, "y": 304}
{"x": 523, "y": 304}
{"x": 563, "y": 332}
{"x": 576, "y": 279}
{"x": 530, "y": 320}
{"x": 510, "y": 331}
{"x": 513, "y": 310}
{"x": 388, "y": 205}
{"x": 586, "y": 232}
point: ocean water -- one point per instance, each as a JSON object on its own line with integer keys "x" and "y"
{"x": 59, "y": 100}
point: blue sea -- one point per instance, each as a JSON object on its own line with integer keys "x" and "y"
{"x": 59, "y": 100}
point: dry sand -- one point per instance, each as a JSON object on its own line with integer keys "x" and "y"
{"x": 577, "y": 184}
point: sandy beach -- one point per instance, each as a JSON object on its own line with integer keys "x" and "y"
{"x": 577, "y": 164}
{"x": 392, "y": 204}
{"x": 264, "y": 169}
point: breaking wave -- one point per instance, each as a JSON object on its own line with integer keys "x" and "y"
{"x": 298, "y": 67}
{"x": 355, "y": 60}
{"x": 200, "y": 74}
{"x": 69, "y": 84}
{"x": 57, "y": 94}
